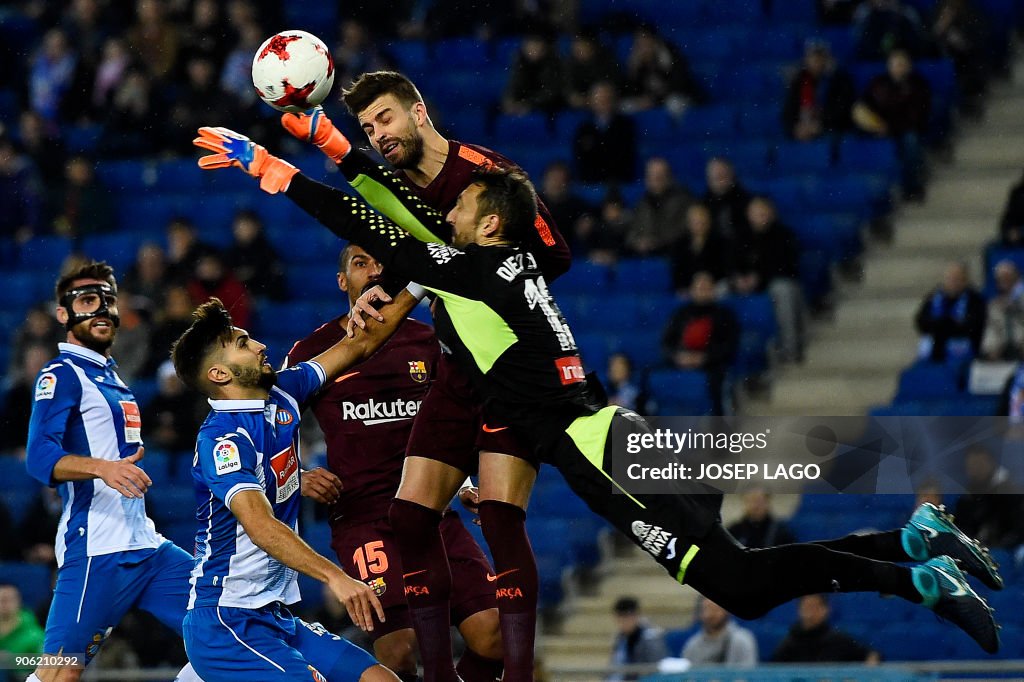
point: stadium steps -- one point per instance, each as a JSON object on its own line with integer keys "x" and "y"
{"x": 873, "y": 321}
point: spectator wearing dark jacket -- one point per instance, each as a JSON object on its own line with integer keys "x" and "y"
{"x": 897, "y": 105}
{"x": 537, "y": 78}
{"x": 768, "y": 260}
{"x": 659, "y": 220}
{"x": 253, "y": 258}
{"x": 992, "y": 510}
{"x": 951, "y": 319}
{"x": 589, "y": 63}
{"x": 820, "y": 97}
{"x": 703, "y": 335}
{"x": 726, "y": 198}
{"x": 1011, "y": 225}
{"x": 813, "y": 639}
{"x": 758, "y": 527}
{"x": 701, "y": 249}
{"x": 657, "y": 74}
{"x": 881, "y": 26}
{"x": 605, "y": 143}
{"x": 213, "y": 278}
{"x": 637, "y": 641}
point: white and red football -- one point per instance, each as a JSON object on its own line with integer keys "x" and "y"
{"x": 293, "y": 71}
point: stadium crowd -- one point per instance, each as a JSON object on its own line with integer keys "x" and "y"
{"x": 106, "y": 80}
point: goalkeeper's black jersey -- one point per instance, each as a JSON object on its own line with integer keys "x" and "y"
{"x": 498, "y": 318}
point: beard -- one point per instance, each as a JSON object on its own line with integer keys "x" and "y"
{"x": 412, "y": 151}
{"x": 83, "y": 334}
{"x": 254, "y": 377}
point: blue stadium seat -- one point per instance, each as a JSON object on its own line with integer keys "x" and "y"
{"x": 26, "y": 288}
{"x": 735, "y": 12}
{"x": 864, "y": 155}
{"x": 297, "y": 317}
{"x": 584, "y": 277}
{"x": 680, "y": 392}
{"x": 460, "y": 53}
{"x": 642, "y": 344}
{"x": 709, "y": 44}
{"x": 803, "y": 157}
{"x": 643, "y": 275}
{"x": 462, "y": 123}
{"x": 926, "y": 381}
{"x": 708, "y": 122}
{"x": 18, "y": 500}
{"x": 182, "y": 533}
{"x": 566, "y": 123}
{"x": 748, "y": 156}
{"x": 177, "y": 503}
{"x": 32, "y": 580}
{"x": 514, "y": 130}
{"x": 655, "y": 125}
{"x": 795, "y": 11}
{"x": 815, "y": 274}
{"x": 755, "y": 313}
{"x": 82, "y": 139}
{"x": 411, "y": 56}
{"x": 44, "y": 251}
{"x": 594, "y": 347}
{"x": 117, "y": 248}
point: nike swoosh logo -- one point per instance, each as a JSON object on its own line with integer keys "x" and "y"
{"x": 492, "y": 578}
{"x": 345, "y": 376}
{"x": 409, "y": 575}
{"x": 960, "y": 591}
{"x": 671, "y": 549}
{"x": 488, "y": 429}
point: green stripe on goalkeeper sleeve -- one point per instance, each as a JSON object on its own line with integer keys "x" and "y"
{"x": 590, "y": 434}
{"x": 385, "y": 201}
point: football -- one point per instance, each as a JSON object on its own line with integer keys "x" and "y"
{"x": 293, "y": 71}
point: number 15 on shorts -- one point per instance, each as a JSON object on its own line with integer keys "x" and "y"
{"x": 370, "y": 559}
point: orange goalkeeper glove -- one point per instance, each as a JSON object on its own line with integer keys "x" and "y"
{"x": 233, "y": 149}
{"x": 315, "y": 127}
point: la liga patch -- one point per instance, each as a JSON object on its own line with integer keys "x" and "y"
{"x": 46, "y": 384}
{"x": 226, "y": 457}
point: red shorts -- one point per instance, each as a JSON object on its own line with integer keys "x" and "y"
{"x": 453, "y": 427}
{"x": 368, "y": 551}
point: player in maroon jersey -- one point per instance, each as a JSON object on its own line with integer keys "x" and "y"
{"x": 451, "y": 436}
{"x": 366, "y": 416}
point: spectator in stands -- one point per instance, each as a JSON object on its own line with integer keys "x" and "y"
{"x": 82, "y": 206}
{"x": 637, "y": 641}
{"x": 566, "y": 207}
{"x": 134, "y": 113}
{"x": 703, "y": 335}
{"x": 236, "y": 74}
{"x": 200, "y": 99}
{"x": 170, "y": 322}
{"x": 183, "y": 249}
{"x": 599, "y": 238}
{"x": 604, "y": 145}
{"x": 45, "y": 149}
{"x": 928, "y": 492}
{"x": 19, "y": 194}
{"x": 213, "y": 278}
{"x": 768, "y": 260}
{"x": 820, "y": 96}
{"x": 10, "y": 549}
{"x": 702, "y": 249}
{"x": 720, "y": 640}
{"x": 961, "y": 32}
{"x": 154, "y": 39}
{"x": 537, "y": 77}
{"x": 1004, "y": 320}
{"x": 147, "y": 277}
{"x": 39, "y": 329}
{"x": 758, "y": 526}
{"x": 589, "y": 63}
{"x": 204, "y": 35}
{"x": 621, "y": 385}
{"x": 173, "y": 416}
{"x": 992, "y": 510}
{"x": 882, "y": 26}
{"x": 951, "y": 319}
{"x": 135, "y": 336}
{"x": 1011, "y": 225}
{"x": 659, "y": 220}
{"x": 657, "y": 74}
{"x": 813, "y": 639}
{"x": 39, "y": 527}
{"x": 20, "y": 632}
{"x": 253, "y": 258}
{"x": 357, "y": 52}
{"x": 84, "y": 29}
{"x": 897, "y": 105}
{"x": 111, "y": 70}
{"x": 18, "y": 399}
{"x": 52, "y": 72}
{"x": 726, "y": 198}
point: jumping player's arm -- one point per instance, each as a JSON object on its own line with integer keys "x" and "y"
{"x": 389, "y": 194}
{"x": 381, "y": 188}
{"x": 253, "y": 511}
{"x": 58, "y": 393}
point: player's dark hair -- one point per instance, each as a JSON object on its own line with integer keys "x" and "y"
{"x": 345, "y": 256}
{"x": 90, "y": 270}
{"x": 211, "y": 324}
{"x": 369, "y": 86}
{"x": 508, "y": 193}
